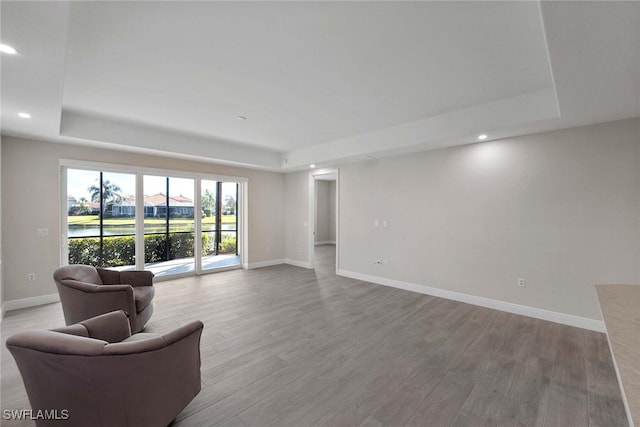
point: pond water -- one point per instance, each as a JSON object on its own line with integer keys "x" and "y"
{"x": 94, "y": 231}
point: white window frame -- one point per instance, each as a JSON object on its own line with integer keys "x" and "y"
{"x": 140, "y": 172}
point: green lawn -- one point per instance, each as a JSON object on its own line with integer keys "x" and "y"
{"x": 89, "y": 220}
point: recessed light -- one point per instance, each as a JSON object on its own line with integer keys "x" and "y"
{"x": 312, "y": 166}
{"x": 482, "y": 137}
{"x": 5, "y": 48}
{"x": 24, "y": 115}
{"x": 243, "y": 118}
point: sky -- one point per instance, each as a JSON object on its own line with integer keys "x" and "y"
{"x": 78, "y": 182}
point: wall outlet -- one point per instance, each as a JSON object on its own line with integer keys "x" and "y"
{"x": 521, "y": 282}
{"x": 42, "y": 232}
{"x": 31, "y": 277}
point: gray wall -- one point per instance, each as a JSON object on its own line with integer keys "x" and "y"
{"x": 296, "y": 214}
{"x": 30, "y": 193}
{"x": 560, "y": 209}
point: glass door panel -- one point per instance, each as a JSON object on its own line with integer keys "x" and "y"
{"x": 168, "y": 224}
{"x": 229, "y": 230}
{"x": 219, "y": 224}
{"x": 101, "y": 218}
{"x": 181, "y": 224}
{"x": 209, "y": 202}
{"x": 119, "y": 220}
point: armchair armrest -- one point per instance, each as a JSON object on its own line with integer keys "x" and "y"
{"x": 79, "y": 286}
{"x": 110, "y": 327}
{"x": 92, "y": 288}
{"x": 183, "y": 331}
{"x": 112, "y": 288}
{"x": 97, "y": 299}
{"x": 56, "y": 343}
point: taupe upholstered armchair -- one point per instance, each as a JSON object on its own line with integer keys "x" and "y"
{"x": 95, "y": 373}
{"x": 86, "y": 291}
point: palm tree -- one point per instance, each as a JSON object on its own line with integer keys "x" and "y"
{"x": 209, "y": 202}
{"x": 229, "y": 205}
{"x": 110, "y": 194}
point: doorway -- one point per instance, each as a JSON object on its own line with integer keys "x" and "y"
{"x": 323, "y": 213}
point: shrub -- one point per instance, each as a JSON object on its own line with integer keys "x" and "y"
{"x": 155, "y": 248}
{"x": 120, "y": 251}
{"x": 228, "y": 244}
{"x": 84, "y": 251}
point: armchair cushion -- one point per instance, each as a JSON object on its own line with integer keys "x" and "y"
{"x": 141, "y": 336}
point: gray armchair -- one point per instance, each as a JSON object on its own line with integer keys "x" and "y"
{"x": 86, "y": 291}
{"x": 97, "y": 374}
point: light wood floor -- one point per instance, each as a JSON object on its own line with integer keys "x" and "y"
{"x": 286, "y": 346}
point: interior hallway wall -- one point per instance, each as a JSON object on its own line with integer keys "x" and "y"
{"x": 325, "y": 212}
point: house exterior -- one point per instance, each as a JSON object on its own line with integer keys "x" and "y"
{"x": 155, "y": 206}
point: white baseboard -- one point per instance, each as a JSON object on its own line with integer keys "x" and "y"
{"x": 268, "y": 263}
{"x": 538, "y": 313}
{"x": 325, "y": 242}
{"x": 297, "y": 263}
{"x": 16, "y": 304}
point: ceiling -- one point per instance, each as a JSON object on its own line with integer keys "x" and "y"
{"x": 317, "y": 82}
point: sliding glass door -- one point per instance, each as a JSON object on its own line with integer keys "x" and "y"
{"x": 108, "y": 213}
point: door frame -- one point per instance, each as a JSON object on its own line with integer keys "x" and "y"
{"x": 312, "y": 213}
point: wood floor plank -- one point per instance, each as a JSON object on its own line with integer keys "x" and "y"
{"x": 287, "y": 346}
{"x": 501, "y": 347}
{"x": 526, "y": 403}
{"x": 568, "y": 401}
